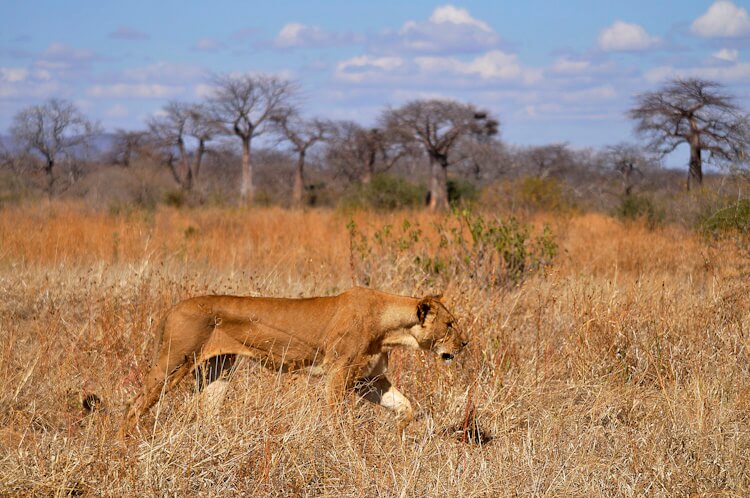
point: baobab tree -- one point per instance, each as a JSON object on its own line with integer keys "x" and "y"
{"x": 203, "y": 127}
{"x": 126, "y": 145}
{"x": 697, "y": 113}
{"x": 177, "y": 122}
{"x": 630, "y": 162}
{"x": 360, "y": 152}
{"x": 245, "y": 105}
{"x": 543, "y": 161}
{"x": 54, "y": 130}
{"x": 437, "y": 126}
{"x": 301, "y": 134}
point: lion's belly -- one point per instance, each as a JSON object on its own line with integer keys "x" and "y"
{"x": 279, "y": 346}
{"x": 288, "y": 351}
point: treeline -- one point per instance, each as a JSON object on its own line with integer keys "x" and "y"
{"x": 249, "y": 143}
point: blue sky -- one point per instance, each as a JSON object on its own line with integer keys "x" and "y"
{"x": 551, "y": 71}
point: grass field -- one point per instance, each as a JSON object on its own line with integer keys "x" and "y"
{"x": 623, "y": 368}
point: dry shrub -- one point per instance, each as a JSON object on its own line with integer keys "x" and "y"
{"x": 622, "y": 369}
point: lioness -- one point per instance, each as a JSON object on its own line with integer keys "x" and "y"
{"x": 347, "y": 337}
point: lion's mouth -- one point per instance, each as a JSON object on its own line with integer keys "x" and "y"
{"x": 447, "y": 357}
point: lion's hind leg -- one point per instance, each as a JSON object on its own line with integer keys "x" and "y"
{"x": 162, "y": 377}
{"x": 212, "y": 379}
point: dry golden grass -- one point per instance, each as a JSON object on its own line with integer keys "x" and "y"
{"x": 624, "y": 370}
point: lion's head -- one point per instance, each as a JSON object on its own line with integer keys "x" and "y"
{"x": 438, "y": 331}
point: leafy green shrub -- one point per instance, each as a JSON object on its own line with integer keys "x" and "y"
{"x": 263, "y": 197}
{"x": 384, "y": 192}
{"x": 461, "y": 192}
{"x": 728, "y": 220}
{"x": 636, "y": 207}
{"x": 733, "y": 223}
{"x": 504, "y": 250}
{"x": 529, "y": 193}
{"x": 320, "y": 194}
{"x": 175, "y": 198}
{"x": 494, "y": 251}
{"x": 543, "y": 194}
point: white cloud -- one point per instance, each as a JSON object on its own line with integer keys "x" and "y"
{"x": 30, "y": 89}
{"x": 539, "y": 110}
{"x": 448, "y": 30}
{"x": 722, "y": 20}
{"x": 117, "y": 111}
{"x": 134, "y": 90}
{"x": 83, "y": 104}
{"x": 25, "y": 82}
{"x": 565, "y": 64}
{"x": 739, "y": 71}
{"x": 204, "y": 91}
{"x": 494, "y": 65}
{"x": 13, "y": 74}
{"x": 624, "y": 37}
{"x": 65, "y": 53}
{"x": 298, "y": 35}
{"x": 454, "y": 15}
{"x": 61, "y": 57}
{"x": 660, "y": 73}
{"x": 295, "y": 34}
{"x": 604, "y": 92}
{"x": 727, "y": 54}
{"x": 41, "y": 74}
{"x": 19, "y": 74}
{"x": 362, "y": 67}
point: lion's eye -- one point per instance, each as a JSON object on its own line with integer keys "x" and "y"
{"x": 450, "y": 325}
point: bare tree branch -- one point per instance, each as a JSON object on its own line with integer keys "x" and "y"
{"x": 695, "y": 112}
{"x": 245, "y": 106}
{"x": 437, "y": 126}
{"x": 54, "y": 130}
{"x": 301, "y": 134}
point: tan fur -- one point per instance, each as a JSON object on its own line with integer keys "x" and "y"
{"x": 347, "y": 337}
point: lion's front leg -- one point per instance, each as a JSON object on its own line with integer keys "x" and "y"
{"x": 340, "y": 379}
{"x": 377, "y": 388}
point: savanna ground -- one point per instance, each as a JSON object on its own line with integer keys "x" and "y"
{"x": 622, "y": 368}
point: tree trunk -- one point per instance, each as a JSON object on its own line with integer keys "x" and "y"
{"x": 369, "y": 170}
{"x": 247, "y": 189}
{"x": 199, "y": 153}
{"x": 185, "y": 175}
{"x": 299, "y": 181}
{"x": 695, "y": 173}
{"x": 366, "y": 177}
{"x": 438, "y": 184}
{"x": 49, "y": 171}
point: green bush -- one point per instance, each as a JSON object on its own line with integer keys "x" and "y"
{"x": 728, "y": 220}
{"x": 461, "y": 192}
{"x": 493, "y": 251}
{"x": 504, "y": 251}
{"x": 543, "y": 194}
{"x": 384, "y": 192}
{"x": 175, "y": 198}
{"x": 636, "y": 207}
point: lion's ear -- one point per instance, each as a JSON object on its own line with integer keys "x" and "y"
{"x": 423, "y": 308}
